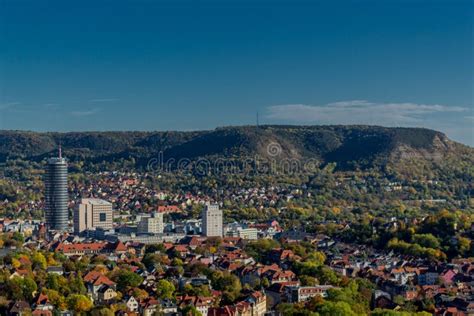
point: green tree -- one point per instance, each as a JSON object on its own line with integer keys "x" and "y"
{"x": 165, "y": 289}
{"x": 228, "y": 283}
{"x": 190, "y": 310}
{"x": 464, "y": 245}
{"x": 14, "y": 288}
{"x": 329, "y": 308}
{"x": 426, "y": 240}
{"x": 386, "y": 312}
{"x": 101, "y": 311}
{"x": 79, "y": 303}
{"x": 295, "y": 310}
{"x": 56, "y": 299}
{"x": 76, "y": 284}
{"x": 17, "y": 236}
{"x": 127, "y": 279}
{"x": 307, "y": 280}
{"x": 326, "y": 275}
{"x": 39, "y": 261}
{"x": 21, "y": 288}
{"x": 29, "y": 287}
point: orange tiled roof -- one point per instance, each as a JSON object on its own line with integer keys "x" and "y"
{"x": 42, "y": 299}
{"x": 168, "y": 208}
{"x": 22, "y": 272}
{"x": 97, "y": 278}
{"x": 80, "y": 247}
{"x": 181, "y": 248}
{"x": 91, "y": 276}
{"x": 102, "y": 279}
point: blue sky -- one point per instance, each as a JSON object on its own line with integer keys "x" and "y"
{"x": 187, "y": 65}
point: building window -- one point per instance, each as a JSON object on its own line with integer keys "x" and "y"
{"x": 102, "y": 217}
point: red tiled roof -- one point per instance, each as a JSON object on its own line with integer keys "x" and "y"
{"x": 149, "y": 302}
{"x": 119, "y": 246}
{"x": 97, "y": 278}
{"x": 222, "y": 311}
{"x": 102, "y": 279}
{"x": 91, "y": 276}
{"x": 195, "y": 241}
{"x": 24, "y": 261}
{"x": 168, "y": 245}
{"x": 168, "y": 208}
{"x": 257, "y": 294}
{"x": 195, "y": 300}
{"x": 80, "y": 247}
{"x": 181, "y": 248}
{"x": 42, "y": 299}
{"x": 22, "y": 272}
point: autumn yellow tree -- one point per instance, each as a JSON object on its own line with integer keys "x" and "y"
{"x": 79, "y": 303}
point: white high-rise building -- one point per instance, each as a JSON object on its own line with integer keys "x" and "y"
{"x": 92, "y": 214}
{"x": 151, "y": 223}
{"x": 212, "y": 221}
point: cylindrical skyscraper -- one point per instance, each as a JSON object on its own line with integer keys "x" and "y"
{"x": 56, "y": 197}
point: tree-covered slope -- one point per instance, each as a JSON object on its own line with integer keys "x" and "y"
{"x": 349, "y": 147}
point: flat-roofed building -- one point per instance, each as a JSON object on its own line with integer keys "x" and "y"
{"x": 91, "y": 214}
{"x": 151, "y": 223}
{"x": 244, "y": 233}
{"x": 212, "y": 221}
{"x": 248, "y": 233}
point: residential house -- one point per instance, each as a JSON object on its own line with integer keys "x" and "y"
{"x": 106, "y": 294}
{"x": 97, "y": 283}
{"x": 132, "y": 304}
{"x": 296, "y": 294}
{"x": 19, "y": 308}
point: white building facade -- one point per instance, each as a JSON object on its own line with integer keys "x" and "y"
{"x": 212, "y": 219}
{"x": 151, "y": 224}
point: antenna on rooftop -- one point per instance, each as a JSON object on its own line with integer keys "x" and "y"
{"x": 60, "y": 153}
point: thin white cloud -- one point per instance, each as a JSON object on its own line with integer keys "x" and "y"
{"x": 85, "y": 112}
{"x": 104, "y": 100}
{"x": 360, "y": 112}
{"x": 7, "y": 105}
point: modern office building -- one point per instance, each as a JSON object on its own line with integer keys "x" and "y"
{"x": 91, "y": 214}
{"x": 151, "y": 223}
{"x": 212, "y": 221}
{"x": 244, "y": 233}
{"x": 56, "y": 196}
